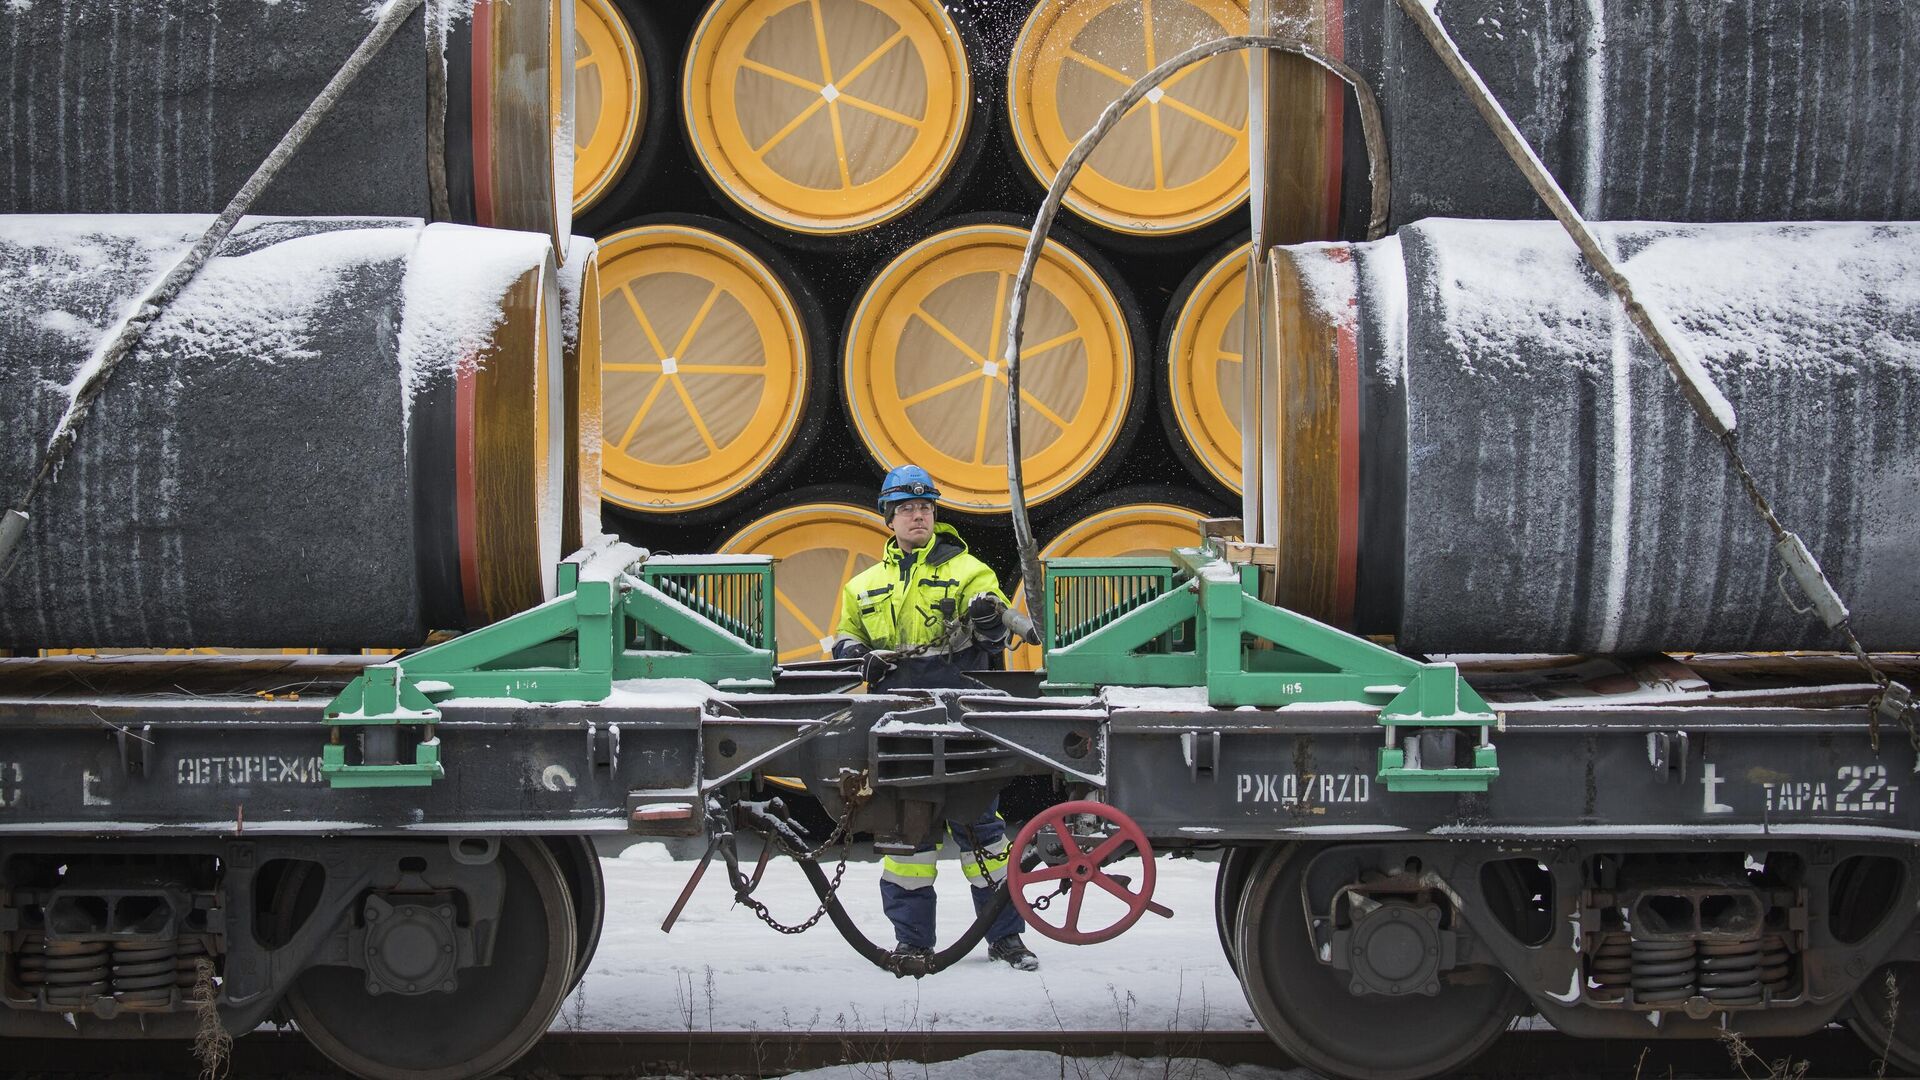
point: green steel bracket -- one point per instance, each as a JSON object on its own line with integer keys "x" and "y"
{"x": 617, "y": 613}
{"x": 1193, "y": 620}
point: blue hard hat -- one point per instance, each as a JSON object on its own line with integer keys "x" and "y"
{"x": 906, "y": 482}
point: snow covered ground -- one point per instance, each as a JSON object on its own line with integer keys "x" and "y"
{"x": 1039, "y": 1065}
{"x": 721, "y": 969}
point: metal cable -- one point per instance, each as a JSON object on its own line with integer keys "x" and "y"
{"x": 1894, "y": 698}
{"x": 117, "y": 344}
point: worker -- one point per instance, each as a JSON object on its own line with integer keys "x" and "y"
{"x": 928, "y": 595}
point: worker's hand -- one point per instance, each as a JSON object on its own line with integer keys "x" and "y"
{"x": 849, "y": 649}
{"x": 984, "y": 609}
{"x": 873, "y": 668}
{"x": 989, "y": 621}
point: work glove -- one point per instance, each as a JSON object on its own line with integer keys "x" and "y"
{"x": 989, "y": 620}
{"x": 873, "y": 667}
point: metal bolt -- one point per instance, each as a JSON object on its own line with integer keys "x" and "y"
{"x": 448, "y": 985}
{"x": 445, "y": 911}
{"x": 373, "y": 914}
{"x": 446, "y": 948}
{"x": 411, "y": 987}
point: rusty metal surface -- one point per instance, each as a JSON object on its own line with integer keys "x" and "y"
{"x": 1830, "y": 1053}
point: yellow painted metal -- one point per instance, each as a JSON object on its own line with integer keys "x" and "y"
{"x": 609, "y": 100}
{"x": 703, "y": 367}
{"x": 1178, "y": 160}
{"x": 923, "y": 381}
{"x": 1203, "y": 366}
{"x": 826, "y": 116}
{"x": 818, "y": 547}
{"x": 1152, "y": 528}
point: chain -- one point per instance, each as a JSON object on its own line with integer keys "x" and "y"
{"x": 760, "y": 909}
{"x": 842, "y": 832}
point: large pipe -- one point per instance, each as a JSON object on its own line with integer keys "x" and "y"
{"x": 148, "y": 107}
{"x": 344, "y": 432}
{"x": 1480, "y": 454}
{"x": 1652, "y": 110}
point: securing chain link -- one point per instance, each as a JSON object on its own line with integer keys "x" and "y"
{"x": 854, "y": 794}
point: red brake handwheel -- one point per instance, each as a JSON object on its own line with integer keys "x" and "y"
{"x": 1080, "y": 871}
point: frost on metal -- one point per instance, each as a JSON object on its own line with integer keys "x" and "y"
{"x": 1767, "y": 110}
{"x": 1559, "y": 491}
{"x": 456, "y": 286}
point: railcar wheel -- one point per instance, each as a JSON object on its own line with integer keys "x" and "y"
{"x": 587, "y": 888}
{"x": 1307, "y": 1009}
{"x": 1228, "y": 887}
{"x": 493, "y": 1016}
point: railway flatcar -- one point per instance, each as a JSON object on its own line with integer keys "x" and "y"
{"x": 1498, "y": 699}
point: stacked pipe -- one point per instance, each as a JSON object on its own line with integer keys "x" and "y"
{"x": 351, "y": 428}
{"x": 854, "y": 179}
{"x": 1480, "y": 454}
{"x": 804, "y": 207}
{"x": 345, "y": 431}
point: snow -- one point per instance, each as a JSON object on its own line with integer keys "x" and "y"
{"x": 721, "y": 969}
{"x": 627, "y": 694}
{"x": 1384, "y": 283}
{"x": 267, "y": 302}
{"x": 571, "y": 277}
{"x": 1163, "y": 698}
{"x": 1327, "y": 277}
{"x": 1041, "y": 1065}
{"x": 456, "y": 280}
{"x": 661, "y": 694}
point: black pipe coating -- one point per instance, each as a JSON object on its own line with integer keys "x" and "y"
{"x": 1530, "y": 478}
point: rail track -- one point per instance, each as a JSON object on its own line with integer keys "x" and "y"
{"x": 1832, "y": 1053}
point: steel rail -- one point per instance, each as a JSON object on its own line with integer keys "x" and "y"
{"x": 1832, "y": 1052}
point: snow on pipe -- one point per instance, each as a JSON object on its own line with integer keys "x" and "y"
{"x": 1653, "y": 110}
{"x": 1481, "y": 455}
{"x": 345, "y": 432}
{"x": 139, "y": 106}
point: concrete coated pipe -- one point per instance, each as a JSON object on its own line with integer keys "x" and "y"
{"x": 1480, "y": 454}
{"x": 1652, "y": 110}
{"x": 166, "y": 106}
{"x": 342, "y": 433}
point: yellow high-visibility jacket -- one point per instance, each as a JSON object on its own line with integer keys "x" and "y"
{"x": 908, "y": 599}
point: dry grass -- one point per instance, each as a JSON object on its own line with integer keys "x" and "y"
{"x": 212, "y": 1046}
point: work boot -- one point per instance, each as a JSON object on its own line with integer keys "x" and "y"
{"x": 1015, "y": 952}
